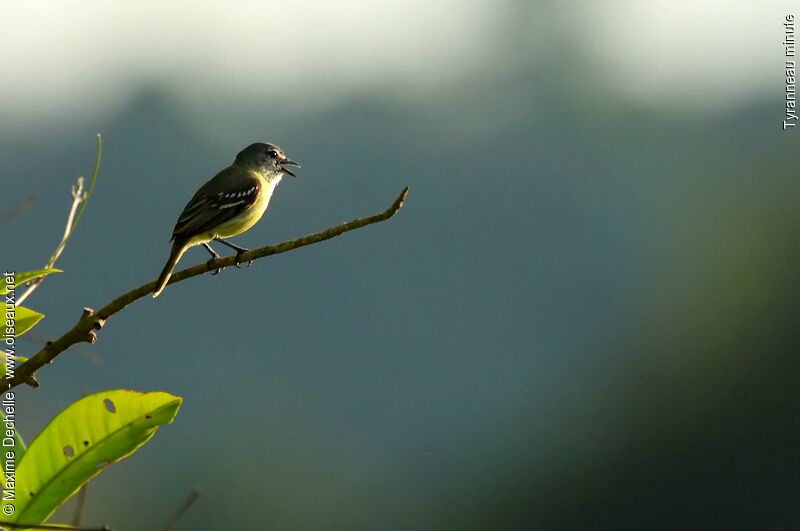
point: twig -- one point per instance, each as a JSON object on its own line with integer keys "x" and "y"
{"x": 39, "y": 339}
{"x": 181, "y": 510}
{"x": 79, "y": 506}
{"x": 79, "y": 201}
{"x": 17, "y": 210}
{"x": 56, "y": 527}
{"x": 91, "y": 321}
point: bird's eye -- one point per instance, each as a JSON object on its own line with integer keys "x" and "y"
{"x": 272, "y": 153}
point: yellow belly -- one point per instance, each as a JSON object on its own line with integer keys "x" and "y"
{"x": 243, "y": 221}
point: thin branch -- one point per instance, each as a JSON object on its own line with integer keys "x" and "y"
{"x": 56, "y": 527}
{"x": 181, "y": 510}
{"x": 17, "y": 210}
{"x": 80, "y": 199}
{"x": 79, "y": 507}
{"x": 92, "y": 181}
{"x": 77, "y": 198}
{"x": 91, "y": 321}
{"x": 38, "y": 339}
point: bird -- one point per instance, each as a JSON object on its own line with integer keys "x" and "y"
{"x": 227, "y": 205}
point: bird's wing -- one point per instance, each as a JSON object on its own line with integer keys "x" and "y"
{"x": 231, "y": 192}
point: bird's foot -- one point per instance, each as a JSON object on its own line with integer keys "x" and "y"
{"x": 210, "y": 265}
{"x": 238, "y": 254}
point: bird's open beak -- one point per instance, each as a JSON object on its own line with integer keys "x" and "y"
{"x": 288, "y": 162}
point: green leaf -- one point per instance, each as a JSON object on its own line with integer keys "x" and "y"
{"x": 81, "y": 441}
{"x": 25, "y": 320}
{"x": 18, "y": 360}
{"x": 27, "y": 276}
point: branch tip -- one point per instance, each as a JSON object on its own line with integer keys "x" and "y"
{"x": 398, "y": 204}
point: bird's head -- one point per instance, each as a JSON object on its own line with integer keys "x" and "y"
{"x": 265, "y": 157}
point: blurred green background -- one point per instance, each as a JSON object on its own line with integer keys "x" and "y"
{"x": 585, "y": 317}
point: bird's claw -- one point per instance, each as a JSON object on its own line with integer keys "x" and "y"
{"x": 210, "y": 264}
{"x": 238, "y": 254}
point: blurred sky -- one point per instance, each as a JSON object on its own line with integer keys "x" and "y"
{"x": 91, "y": 56}
{"x": 584, "y": 317}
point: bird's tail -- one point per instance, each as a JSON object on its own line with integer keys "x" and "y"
{"x": 178, "y": 248}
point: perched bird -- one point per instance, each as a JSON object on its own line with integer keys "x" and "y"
{"x": 229, "y": 204}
